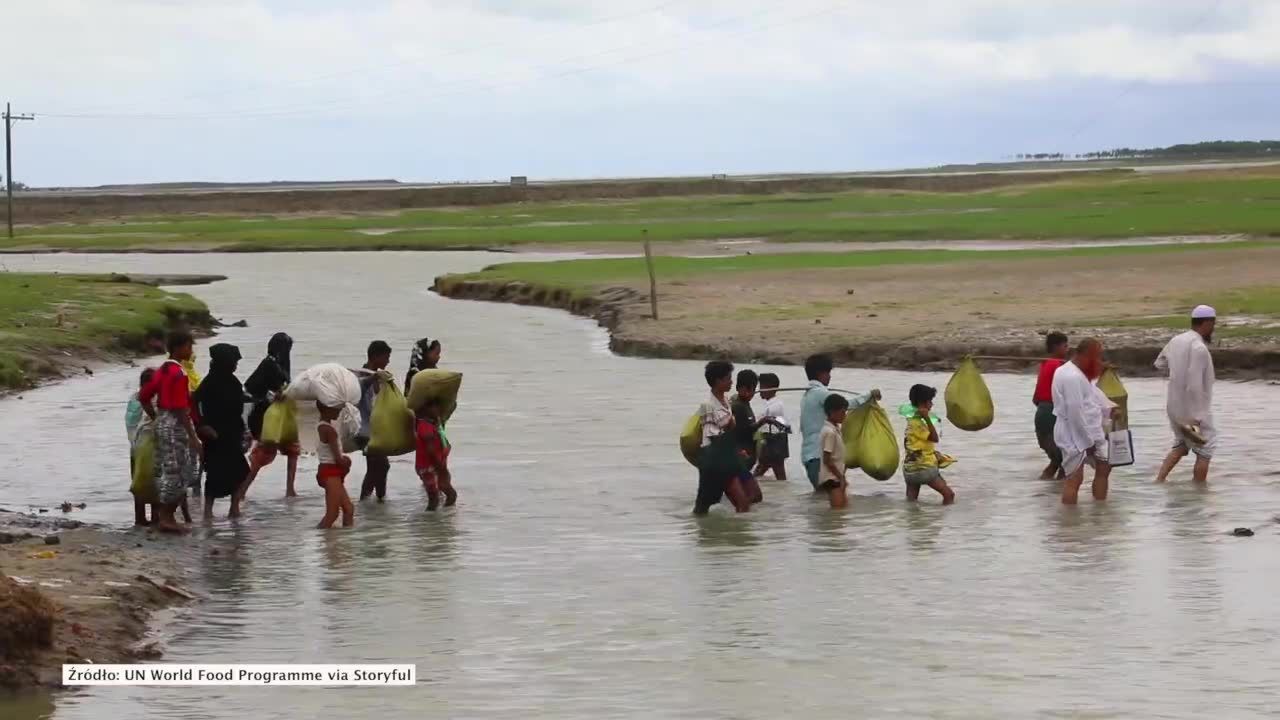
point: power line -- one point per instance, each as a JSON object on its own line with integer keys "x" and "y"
{"x": 9, "y": 120}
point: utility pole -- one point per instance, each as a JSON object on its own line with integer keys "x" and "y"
{"x": 9, "y": 120}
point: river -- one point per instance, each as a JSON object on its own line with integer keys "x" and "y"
{"x": 572, "y": 581}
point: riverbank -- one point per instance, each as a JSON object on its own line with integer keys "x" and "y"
{"x": 73, "y": 593}
{"x": 914, "y": 309}
{"x": 55, "y": 325}
{"x": 1021, "y": 207}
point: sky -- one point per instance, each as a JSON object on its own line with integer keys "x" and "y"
{"x": 478, "y": 90}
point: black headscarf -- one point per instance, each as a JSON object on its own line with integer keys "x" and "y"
{"x": 220, "y": 397}
{"x": 273, "y": 372}
{"x": 418, "y": 359}
{"x": 278, "y": 348}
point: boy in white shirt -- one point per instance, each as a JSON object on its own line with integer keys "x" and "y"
{"x": 831, "y": 478}
{"x": 775, "y": 430}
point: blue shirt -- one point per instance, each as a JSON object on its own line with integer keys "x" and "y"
{"x": 813, "y": 416}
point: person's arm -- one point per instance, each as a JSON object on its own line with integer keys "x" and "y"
{"x": 933, "y": 431}
{"x": 1162, "y": 360}
{"x": 1199, "y": 382}
{"x": 858, "y": 401}
{"x": 148, "y": 393}
{"x": 1091, "y": 415}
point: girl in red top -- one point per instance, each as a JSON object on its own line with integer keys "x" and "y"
{"x": 432, "y": 462}
{"x": 177, "y": 445}
{"x": 1057, "y": 345}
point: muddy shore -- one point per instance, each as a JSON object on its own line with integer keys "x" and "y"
{"x": 624, "y": 312}
{"x": 100, "y": 588}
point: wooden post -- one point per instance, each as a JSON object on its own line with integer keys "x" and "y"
{"x": 653, "y": 278}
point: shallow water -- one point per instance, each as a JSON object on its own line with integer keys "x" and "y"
{"x": 572, "y": 581}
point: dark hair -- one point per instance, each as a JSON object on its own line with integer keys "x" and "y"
{"x": 177, "y": 339}
{"x": 1055, "y": 340}
{"x": 769, "y": 380}
{"x": 748, "y": 379}
{"x": 146, "y": 376}
{"x": 921, "y": 394}
{"x": 834, "y": 403}
{"x": 378, "y": 348}
{"x": 816, "y": 365}
{"x": 717, "y": 370}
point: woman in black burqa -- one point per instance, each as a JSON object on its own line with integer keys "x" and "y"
{"x": 220, "y": 404}
{"x": 267, "y": 381}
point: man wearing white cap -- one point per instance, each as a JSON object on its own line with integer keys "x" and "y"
{"x": 1190, "y": 366}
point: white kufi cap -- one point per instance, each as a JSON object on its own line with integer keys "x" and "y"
{"x": 1203, "y": 312}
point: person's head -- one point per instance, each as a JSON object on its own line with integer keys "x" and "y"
{"x": 1203, "y": 320}
{"x": 154, "y": 341}
{"x": 769, "y": 384}
{"x": 223, "y": 358}
{"x": 921, "y": 397}
{"x": 747, "y": 383}
{"x": 1089, "y": 357}
{"x": 425, "y": 355}
{"x": 326, "y": 412}
{"x": 819, "y": 367}
{"x": 1057, "y": 344}
{"x": 279, "y": 347}
{"x": 379, "y": 355}
{"x": 180, "y": 345}
{"x": 430, "y": 410}
{"x": 719, "y": 376}
{"x": 836, "y": 407}
{"x": 146, "y": 376}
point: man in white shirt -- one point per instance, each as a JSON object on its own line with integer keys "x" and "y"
{"x": 1079, "y": 408}
{"x": 1190, "y": 397}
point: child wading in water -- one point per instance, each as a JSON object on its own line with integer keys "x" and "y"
{"x": 920, "y": 467}
{"x": 744, "y": 432}
{"x": 775, "y": 430}
{"x": 334, "y": 466}
{"x": 719, "y": 465}
{"x": 134, "y": 426}
{"x": 1058, "y": 347}
{"x": 831, "y": 477}
{"x": 432, "y": 461}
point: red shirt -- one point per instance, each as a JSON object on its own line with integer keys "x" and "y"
{"x": 169, "y": 387}
{"x": 1044, "y": 383}
{"x": 433, "y": 448}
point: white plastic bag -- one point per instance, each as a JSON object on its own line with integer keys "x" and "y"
{"x": 348, "y": 426}
{"x": 330, "y": 384}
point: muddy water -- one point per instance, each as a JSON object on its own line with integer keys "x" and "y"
{"x": 572, "y": 581}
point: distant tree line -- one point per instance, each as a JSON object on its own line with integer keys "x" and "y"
{"x": 1212, "y": 148}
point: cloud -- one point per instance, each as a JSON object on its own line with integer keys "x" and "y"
{"x": 274, "y": 71}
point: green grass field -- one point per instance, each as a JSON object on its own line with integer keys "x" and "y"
{"x": 578, "y": 275}
{"x": 1096, "y": 207}
{"x": 43, "y": 316}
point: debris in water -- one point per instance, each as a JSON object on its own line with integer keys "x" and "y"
{"x": 52, "y": 540}
{"x": 66, "y": 507}
{"x": 1242, "y": 532}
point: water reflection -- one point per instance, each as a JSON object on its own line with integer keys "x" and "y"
{"x": 572, "y": 581}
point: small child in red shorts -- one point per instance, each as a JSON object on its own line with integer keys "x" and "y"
{"x": 432, "y": 461}
{"x": 334, "y": 466}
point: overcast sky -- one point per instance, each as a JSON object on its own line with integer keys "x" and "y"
{"x": 446, "y": 90}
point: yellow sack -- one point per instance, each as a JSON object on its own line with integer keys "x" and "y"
{"x": 969, "y": 405}
{"x": 142, "y": 466}
{"x": 429, "y": 385}
{"x": 874, "y": 446}
{"x": 1111, "y": 386}
{"x": 850, "y": 431}
{"x": 280, "y": 424}
{"x": 691, "y": 438}
{"x": 390, "y": 423}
